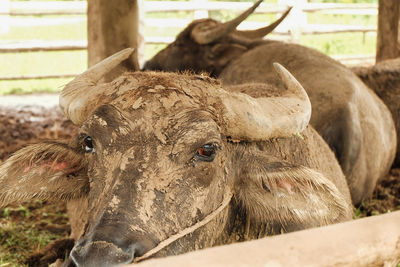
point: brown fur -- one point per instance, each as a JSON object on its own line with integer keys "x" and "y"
{"x": 39, "y": 177}
{"x": 145, "y": 184}
{"x": 384, "y": 79}
{"x": 348, "y": 115}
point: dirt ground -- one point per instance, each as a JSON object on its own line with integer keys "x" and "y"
{"x": 27, "y": 229}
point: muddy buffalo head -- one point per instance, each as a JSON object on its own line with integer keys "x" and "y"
{"x": 171, "y": 163}
{"x": 209, "y": 45}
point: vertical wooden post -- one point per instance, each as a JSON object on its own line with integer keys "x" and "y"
{"x": 113, "y": 26}
{"x": 388, "y": 30}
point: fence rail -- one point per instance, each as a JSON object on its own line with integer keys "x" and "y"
{"x": 18, "y": 11}
{"x": 371, "y": 241}
{"x": 21, "y": 8}
{"x": 37, "y": 77}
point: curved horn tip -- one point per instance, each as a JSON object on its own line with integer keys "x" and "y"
{"x": 291, "y": 82}
{"x": 282, "y": 71}
{"x": 258, "y": 2}
{"x": 253, "y": 7}
{"x": 123, "y": 54}
{"x": 126, "y": 51}
{"x": 278, "y": 67}
{"x": 71, "y": 94}
{"x": 211, "y": 35}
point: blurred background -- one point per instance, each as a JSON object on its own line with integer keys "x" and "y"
{"x": 43, "y": 44}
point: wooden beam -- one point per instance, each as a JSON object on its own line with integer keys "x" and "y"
{"x": 388, "y": 30}
{"x": 372, "y": 241}
{"x": 113, "y": 26}
{"x": 37, "y": 77}
{"x": 35, "y": 46}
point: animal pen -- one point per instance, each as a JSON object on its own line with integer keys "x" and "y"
{"x": 291, "y": 30}
{"x": 372, "y": 241}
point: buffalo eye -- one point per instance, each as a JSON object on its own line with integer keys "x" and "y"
{"x": 88, "y": 144}
{"x": 206, "y": 153}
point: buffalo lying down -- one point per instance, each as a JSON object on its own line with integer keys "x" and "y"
{"x": 348, "y": 115}
{"x": 161, "y": 155}
{"x": 384, "y": 79}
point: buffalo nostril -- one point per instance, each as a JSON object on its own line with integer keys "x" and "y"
{"x": 101, "y": 253}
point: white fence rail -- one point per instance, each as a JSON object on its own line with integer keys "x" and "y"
{"x": 14, "y": 10}
{"x": 20, "y": 8}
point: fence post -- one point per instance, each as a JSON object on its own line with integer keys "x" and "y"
{"x": 5, "y": 19}
{"x": 296, "y": 21}
{"x": 387, "y": 46}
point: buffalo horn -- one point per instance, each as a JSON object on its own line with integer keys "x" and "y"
{"x": 253, "y": 119}
{"x": 82, "y": 95}
{"x": 202, "y": 36}
{"x": 260, "y": 33}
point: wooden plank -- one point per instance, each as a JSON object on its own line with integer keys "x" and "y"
{"x": 29, "y": 8}
{"x": 79, "y": 7}
{"x": 247, "y": 25}
{"x": 45, "y": 21}
{"x": 34, "y": 46}
{"x": 36, "y": 77}
{"x": 165, "y": 6}
{"x": 181, "y": 23}
{"x": 336, "y": 28}
{"x": 347, "y": 60}
{"x": 313, "y": 7}
{"x": 372, "y": 241}
{"x": 358, "y": 12}
{"x": 388, "y": 30}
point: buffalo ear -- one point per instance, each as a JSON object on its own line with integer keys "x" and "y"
{"x": 277, "y": 192}
{"x": 47, "y": 170}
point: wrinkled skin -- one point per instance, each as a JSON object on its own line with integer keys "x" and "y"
{"x": 384, "y": 79}
{"x": 347, "y": 114}
{"x": 140, "y": 180}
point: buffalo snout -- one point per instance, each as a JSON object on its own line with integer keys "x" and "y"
{"x": 106, "y": 253}
{"x": 101, "y": 253}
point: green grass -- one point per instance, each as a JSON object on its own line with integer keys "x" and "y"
{"x": 69, "y": 31}
{"x": 20, "y": 234}
{"x": 39, "y": 63}
{"x": 347, "y": 44}
{"x": 32, "y": 86}
{"x": 69, "y": 62}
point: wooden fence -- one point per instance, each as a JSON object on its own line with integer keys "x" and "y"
{"x": 371, "y": 241}
{"x": 293, "y": 27}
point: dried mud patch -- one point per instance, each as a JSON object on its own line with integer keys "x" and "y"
{"x": 28, "y": 231}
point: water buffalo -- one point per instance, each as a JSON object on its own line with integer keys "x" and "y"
{"x": 167, "y": 163}
{"x": 347, "y": 114}
{"x": 384, "y": 79}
